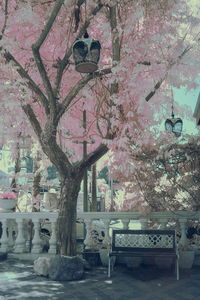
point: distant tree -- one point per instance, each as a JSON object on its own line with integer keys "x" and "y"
{"x": 166, "y": 177}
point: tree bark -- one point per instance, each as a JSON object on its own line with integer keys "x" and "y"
{"x": 70, "y": 188}
{"x": 17, "y": 169}
{"x": 36, "y": 186}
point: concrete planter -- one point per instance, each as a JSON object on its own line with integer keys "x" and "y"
{"x": 186, "y": 259}
{"x": 50, "y": 201}
{"x": 7, "y": 205}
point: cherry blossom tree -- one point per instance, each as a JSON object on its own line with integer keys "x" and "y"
{"x": 147, "y": 45}
{"x": 162, "y": 177}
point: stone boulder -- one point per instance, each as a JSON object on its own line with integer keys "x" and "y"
{"x": 66, "y": 268}
{"x": 41, "y": 266}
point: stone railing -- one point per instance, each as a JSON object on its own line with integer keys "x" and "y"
{"x": 179, "y": 220}
{"x": 21, "y": 232}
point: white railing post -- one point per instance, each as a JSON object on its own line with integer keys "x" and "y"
{"x": 20, "y": 243}
{"x": 144, "y": 223}
{"x": 36, "y": 242}
{"x": 53, "y": 239}
{"x": 106, "y": 241}
{"x": 4, "y": 237}
{"x": 183, "y": 240}
{"x": 88, "y": 226}
{"x": 125, "y": 223}
{"x": 163, "y": 222}
{"x": 11, "y": 229}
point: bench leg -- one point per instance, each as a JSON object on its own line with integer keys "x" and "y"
{"x": 177, "y": 269}
{"x": 109, "y": 266}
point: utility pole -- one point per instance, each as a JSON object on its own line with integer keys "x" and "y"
{"x": 94, "y": 189}
{"x": 85, "y": 178}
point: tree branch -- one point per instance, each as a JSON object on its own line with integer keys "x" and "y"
{"x": 33, "y": 120}
{"x": 76, "y": 89}
{"x": 30, "y": 83}
{"x": 36, "y": 53}
{"x": 38, "y": 59}
{"x": 49, "y": 23}
{"x": 5, "y": 20}
{"x": 145, "y": 63}
{"x": 115, "y": 34}
{"x": 115, "y": 44}
{"x": 115, "y": 55}
{"x": 44, "y": 77}
{"x": 156, "y": 87}
{"x": 171, "y": 64}
{"x": 92, "y": 157}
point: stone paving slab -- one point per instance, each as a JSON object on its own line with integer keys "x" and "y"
{"x": 19, "y": 282}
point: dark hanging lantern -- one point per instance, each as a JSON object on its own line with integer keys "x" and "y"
{"x": 86, "y": 54}
{"x": 172, "y": 124}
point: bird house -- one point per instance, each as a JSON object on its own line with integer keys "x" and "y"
{"x": 86, "y": 54}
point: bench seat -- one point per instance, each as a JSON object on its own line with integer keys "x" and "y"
{"x": 144, "y": 243}
{"x": 143, "y": 254}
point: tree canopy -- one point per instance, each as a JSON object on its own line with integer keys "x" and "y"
{"x": 147, "y": 46}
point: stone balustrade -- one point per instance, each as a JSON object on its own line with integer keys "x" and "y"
{"x": 21, "y": 232}
{"x": 179, "y": 220}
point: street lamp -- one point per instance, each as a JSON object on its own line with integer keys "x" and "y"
{"x": 85, "y": 178}
{"x": 173, "y": 124}
{"x": 86, "y": 54}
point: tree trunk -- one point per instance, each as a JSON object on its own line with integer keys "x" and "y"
{"x": 17, "y": 169}
{"x": 67, "y": 216}
{"x": 36, "y": 186}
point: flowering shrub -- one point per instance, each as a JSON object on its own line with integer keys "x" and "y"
{"x": 8, "y": 195}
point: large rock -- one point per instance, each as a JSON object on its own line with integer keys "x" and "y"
{"x": 41, "y": 266}
{"x": 65, "y": 268}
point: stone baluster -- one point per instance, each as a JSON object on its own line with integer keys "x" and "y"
{"x": 53, "y": 239}
{"x": 106, "y": 241}
{"x": 125, "y": 223}
{"x": 20, "y": 243}
{"x": 36, "y": 242}
{"x": 28, "y": 231}
{"x": 183, "y": 240}
{"x": 11, "y": 229}
{"x": 4, "y": 237}
{"x": 88, "y": 226}
{"x": 163, "y": 222}
{"x": 144, "y": 223}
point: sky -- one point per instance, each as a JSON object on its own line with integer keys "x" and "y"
{"x": 184, "y": 97}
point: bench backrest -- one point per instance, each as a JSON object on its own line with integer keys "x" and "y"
{"x": 144, "y": 240}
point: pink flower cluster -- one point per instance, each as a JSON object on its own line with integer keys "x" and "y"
{"x": 8, "y": 195}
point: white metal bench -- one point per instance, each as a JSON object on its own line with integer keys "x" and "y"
{"x": 144, "y": 243}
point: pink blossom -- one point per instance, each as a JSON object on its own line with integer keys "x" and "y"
{"x": 8, "y": 195}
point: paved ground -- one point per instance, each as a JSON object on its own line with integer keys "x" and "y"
{"x": 18, "y": 281}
